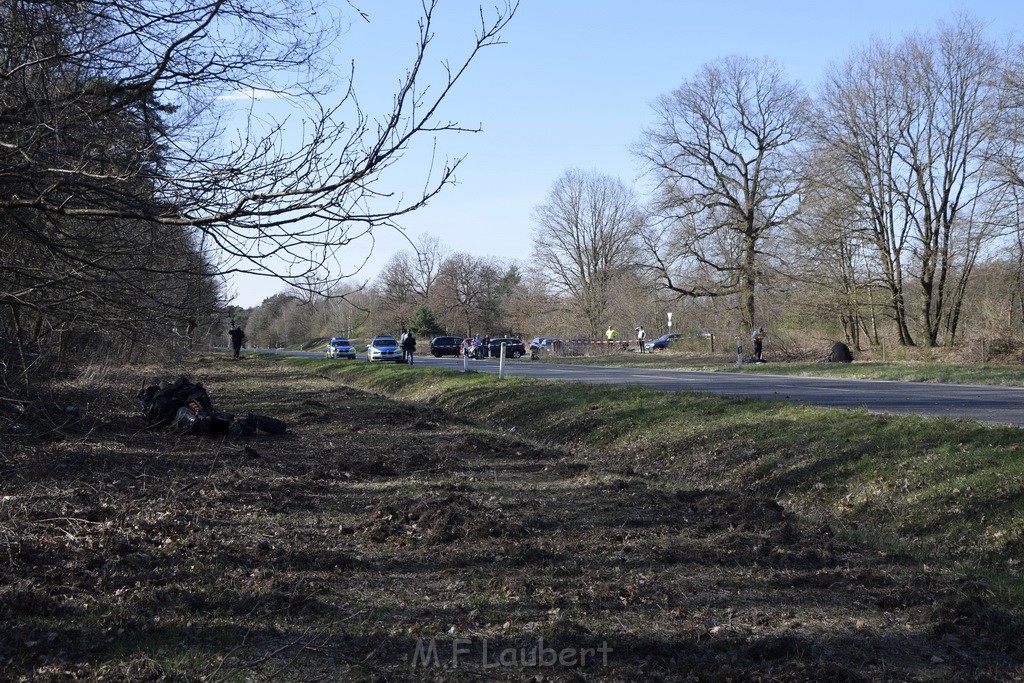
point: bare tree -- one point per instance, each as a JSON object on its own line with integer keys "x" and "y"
{"x": 339, "y": 313}
{"x": 916, "y": 128}
{"x": 430, "y": 257}
{"x": 499, "y": 280}
{"x": 723, "y": 153}
{"x": 585, "y": 239}
{"x": 533, "y": 310}
{"x": 114, "y": 144}
{"x": 408, "y": 280}
{"x": 858, "y": 127}
{"x": 1011, "y": 167}
{"x": 395, "y": 295}
{"x": 829, "y": 261}
{"x": 272, "y": 323}
{"x": 951, "y": 80}
{"x": 461, "y": 290}
{"x": 396, "y": 281}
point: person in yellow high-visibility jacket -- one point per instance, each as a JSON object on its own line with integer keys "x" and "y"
{"x": 611, "y": 334}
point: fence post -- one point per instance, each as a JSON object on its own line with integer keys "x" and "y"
{"x": 739, "y": 352}
{"x": 501, "y": 362}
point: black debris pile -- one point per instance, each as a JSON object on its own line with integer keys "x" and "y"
{"x": 840, "y": 353}
{"x": 186, "y": 407}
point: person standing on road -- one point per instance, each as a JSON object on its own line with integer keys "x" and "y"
{"x": 401, "y": 344}
{"x": 641, "y": 335}
{"x": 758, "y": 335}
{"x": 237, "y": 336}
{"x": 408, "y": 346}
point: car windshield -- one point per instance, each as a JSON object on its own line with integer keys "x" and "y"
{"x": 384, "y": 340}
{"x": 340, "y": 342}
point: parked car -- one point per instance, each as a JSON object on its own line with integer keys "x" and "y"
{"x": 539, "y": 345}
{"x": 514, "y": 347}
{"x": 666, "y": 340}
{"x": 339, "y": 347}
{"x": 446, "y": 346}
{"x": 542, "y": 342}
{"x": 662, "y": 342}
{"x": 384, "y": 347}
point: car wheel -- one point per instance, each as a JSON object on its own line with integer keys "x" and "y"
{"x": 516, "y": 354}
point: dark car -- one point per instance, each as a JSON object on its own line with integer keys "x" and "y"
{"x": 543, "y": 342}
{"x": 446, "y": 346}
{"x": 514, "y": 348}
{"x": 541, "y": 345}
{"x": 662, "y": 342}
{"x": 666, "y": 340}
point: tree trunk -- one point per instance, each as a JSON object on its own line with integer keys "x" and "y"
{"x": 749, "y": 282}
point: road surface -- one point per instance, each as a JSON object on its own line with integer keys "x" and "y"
{"x": 996, "y": 405}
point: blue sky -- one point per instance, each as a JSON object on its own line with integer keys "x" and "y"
{"x": 572, "y": 87}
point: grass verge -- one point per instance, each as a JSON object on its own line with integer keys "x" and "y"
{"x": 946, "y": 491}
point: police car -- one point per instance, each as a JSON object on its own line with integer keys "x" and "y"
{"x": 339, "y": 347}
{"x": 384, "y": 348}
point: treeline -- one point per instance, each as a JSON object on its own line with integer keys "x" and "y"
{"x": 88, "y": 258}
{"x": 885, "y": 208}
{"x": 434, "y": 290}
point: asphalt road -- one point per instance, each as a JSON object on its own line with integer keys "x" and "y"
{"x": 996, "y": 405}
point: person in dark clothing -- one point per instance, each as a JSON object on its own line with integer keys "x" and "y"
{"x": 758, "y": 335}
{"x": 409, "y": 347}
{"x": 237, "y": 336}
